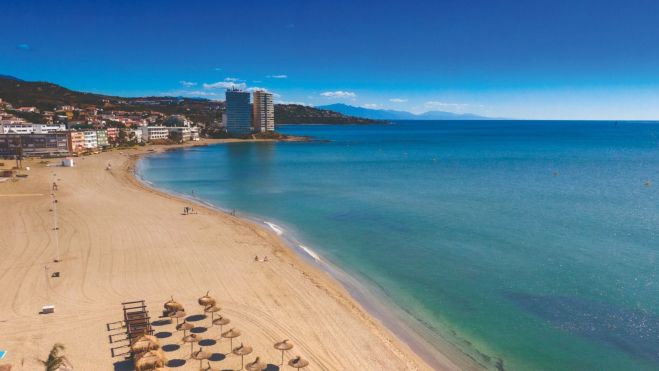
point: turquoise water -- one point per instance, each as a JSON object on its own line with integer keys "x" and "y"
{"x": 529, "y": 245}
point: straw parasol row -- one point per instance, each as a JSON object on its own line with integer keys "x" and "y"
{"x": 232, "y": 333}
{"x": 298, "y": 362}
{"x": 221, "y": 321}
{"x": 184, "y": 326}
{"x": 144, "y": 344}
{"x": 151, "y": 355}
{"x": 242, "y": 351}
{"x": 200, "y": 355}
{"x": 151, "y": 360}
{"x": 191, "y": 338}
{"x": 283, "y": 346}
{"x": 171, "y": 306}
{"x": 206, "y": 301}
{"x": 256, "y": 365}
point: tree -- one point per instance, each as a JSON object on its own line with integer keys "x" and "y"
{"x": 56, "y": 361}
{"x": 176, "y": 136}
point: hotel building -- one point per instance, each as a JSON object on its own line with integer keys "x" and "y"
{"x": 263, "y": 112}
{"x": 48, "y": 144}
{"x": 76, "y": 141}
{"x": 150, "y": 133}
{"x": 91, "y": 140}
{"x": 239, "y": 112}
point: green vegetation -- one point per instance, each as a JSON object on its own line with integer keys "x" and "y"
{"x": 56, "y": 360}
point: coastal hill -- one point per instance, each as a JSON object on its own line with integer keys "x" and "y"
{"x": 47, "y": 96}
{"x": 382, "y": 114}
{"x": 299, "y": 114}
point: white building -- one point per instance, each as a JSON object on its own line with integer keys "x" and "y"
{"x": 45, "y": 128}
{"x": 91, "y": 140}
{"x": 9, "y": 127}
{"x": 194, "y": 133}
{"x": 183, "y": 130}
{"x": 138, "y": 135}
{"x": 150, "y": 133}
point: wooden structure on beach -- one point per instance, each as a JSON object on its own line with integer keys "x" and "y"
{"x": 136, "y": 320}
{"x": 136, "y": 323}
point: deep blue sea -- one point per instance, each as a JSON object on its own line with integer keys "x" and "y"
{"x": 529, "y": 245}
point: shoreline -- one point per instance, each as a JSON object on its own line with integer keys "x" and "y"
{"x": 378, "y": 305}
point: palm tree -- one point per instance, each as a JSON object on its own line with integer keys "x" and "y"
{"x": 55, "y": 359}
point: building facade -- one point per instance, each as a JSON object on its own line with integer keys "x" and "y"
{"x": 113, "y": 134}
{"x": 91, "y": 141}
{"x": 102, "y": 138}
{"x": 48, "y": 144}
{"x": 239, "y": 112}
{"x": 76, "y": 142}
{"x": 263, "y": 112}
{"x": 184, "y": 132}
{"x": 151, "y": 133}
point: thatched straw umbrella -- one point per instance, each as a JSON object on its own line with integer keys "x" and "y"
{"x": 191, "y": 338}
{"x": 184, "y": 326}
{"x": 212, "y": 310}
{"x": 172, "y": 306}
{"x": 298, "y": 362}
{"x": 233, "y": 333}
{"x": 242, "y": 351}
{"x": 256, "y": 365}
{"x": 206, "y": 301}
{"x": 209, "y": 368}
{"x": 177, "y": 315}
{"x": 221, "y": 321}
{"x": 144, "y": 343}
{"x": 200, "y": 355}
{"x": 283, "y": 346}
{"x": 150, "y": 360}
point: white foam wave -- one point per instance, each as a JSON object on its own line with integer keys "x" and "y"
{"x": 311, "y": 253}
{"x": 275, "y": 228}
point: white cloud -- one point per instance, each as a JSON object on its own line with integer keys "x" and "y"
{"x": 187, "y": 84}
{"x": 277, "y": 76}
{"x": 255, "y": 88}
{"x": 225, "y": 85}
{"x": 339, "y": 94}
{"x": 372, "y": 106}
{"x": 191, "y": 93}
{"x": 232, "y": 79}
{"x": 287, "y": 102}
{"x": 217, "y": 69}
{"x": 397, "y": 100}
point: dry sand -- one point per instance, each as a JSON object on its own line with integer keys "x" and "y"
{"x": 121, "y": 241}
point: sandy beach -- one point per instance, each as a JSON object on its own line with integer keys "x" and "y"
{"x": 121, "y": 241}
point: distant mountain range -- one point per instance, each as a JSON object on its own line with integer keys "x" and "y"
{"x": 382, "y": 114}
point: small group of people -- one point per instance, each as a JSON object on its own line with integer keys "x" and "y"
{"x": 188, "y": 210}
{"x": 265, "y": 258}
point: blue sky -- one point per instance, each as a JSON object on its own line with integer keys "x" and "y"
{"x": 519, "y": 59}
